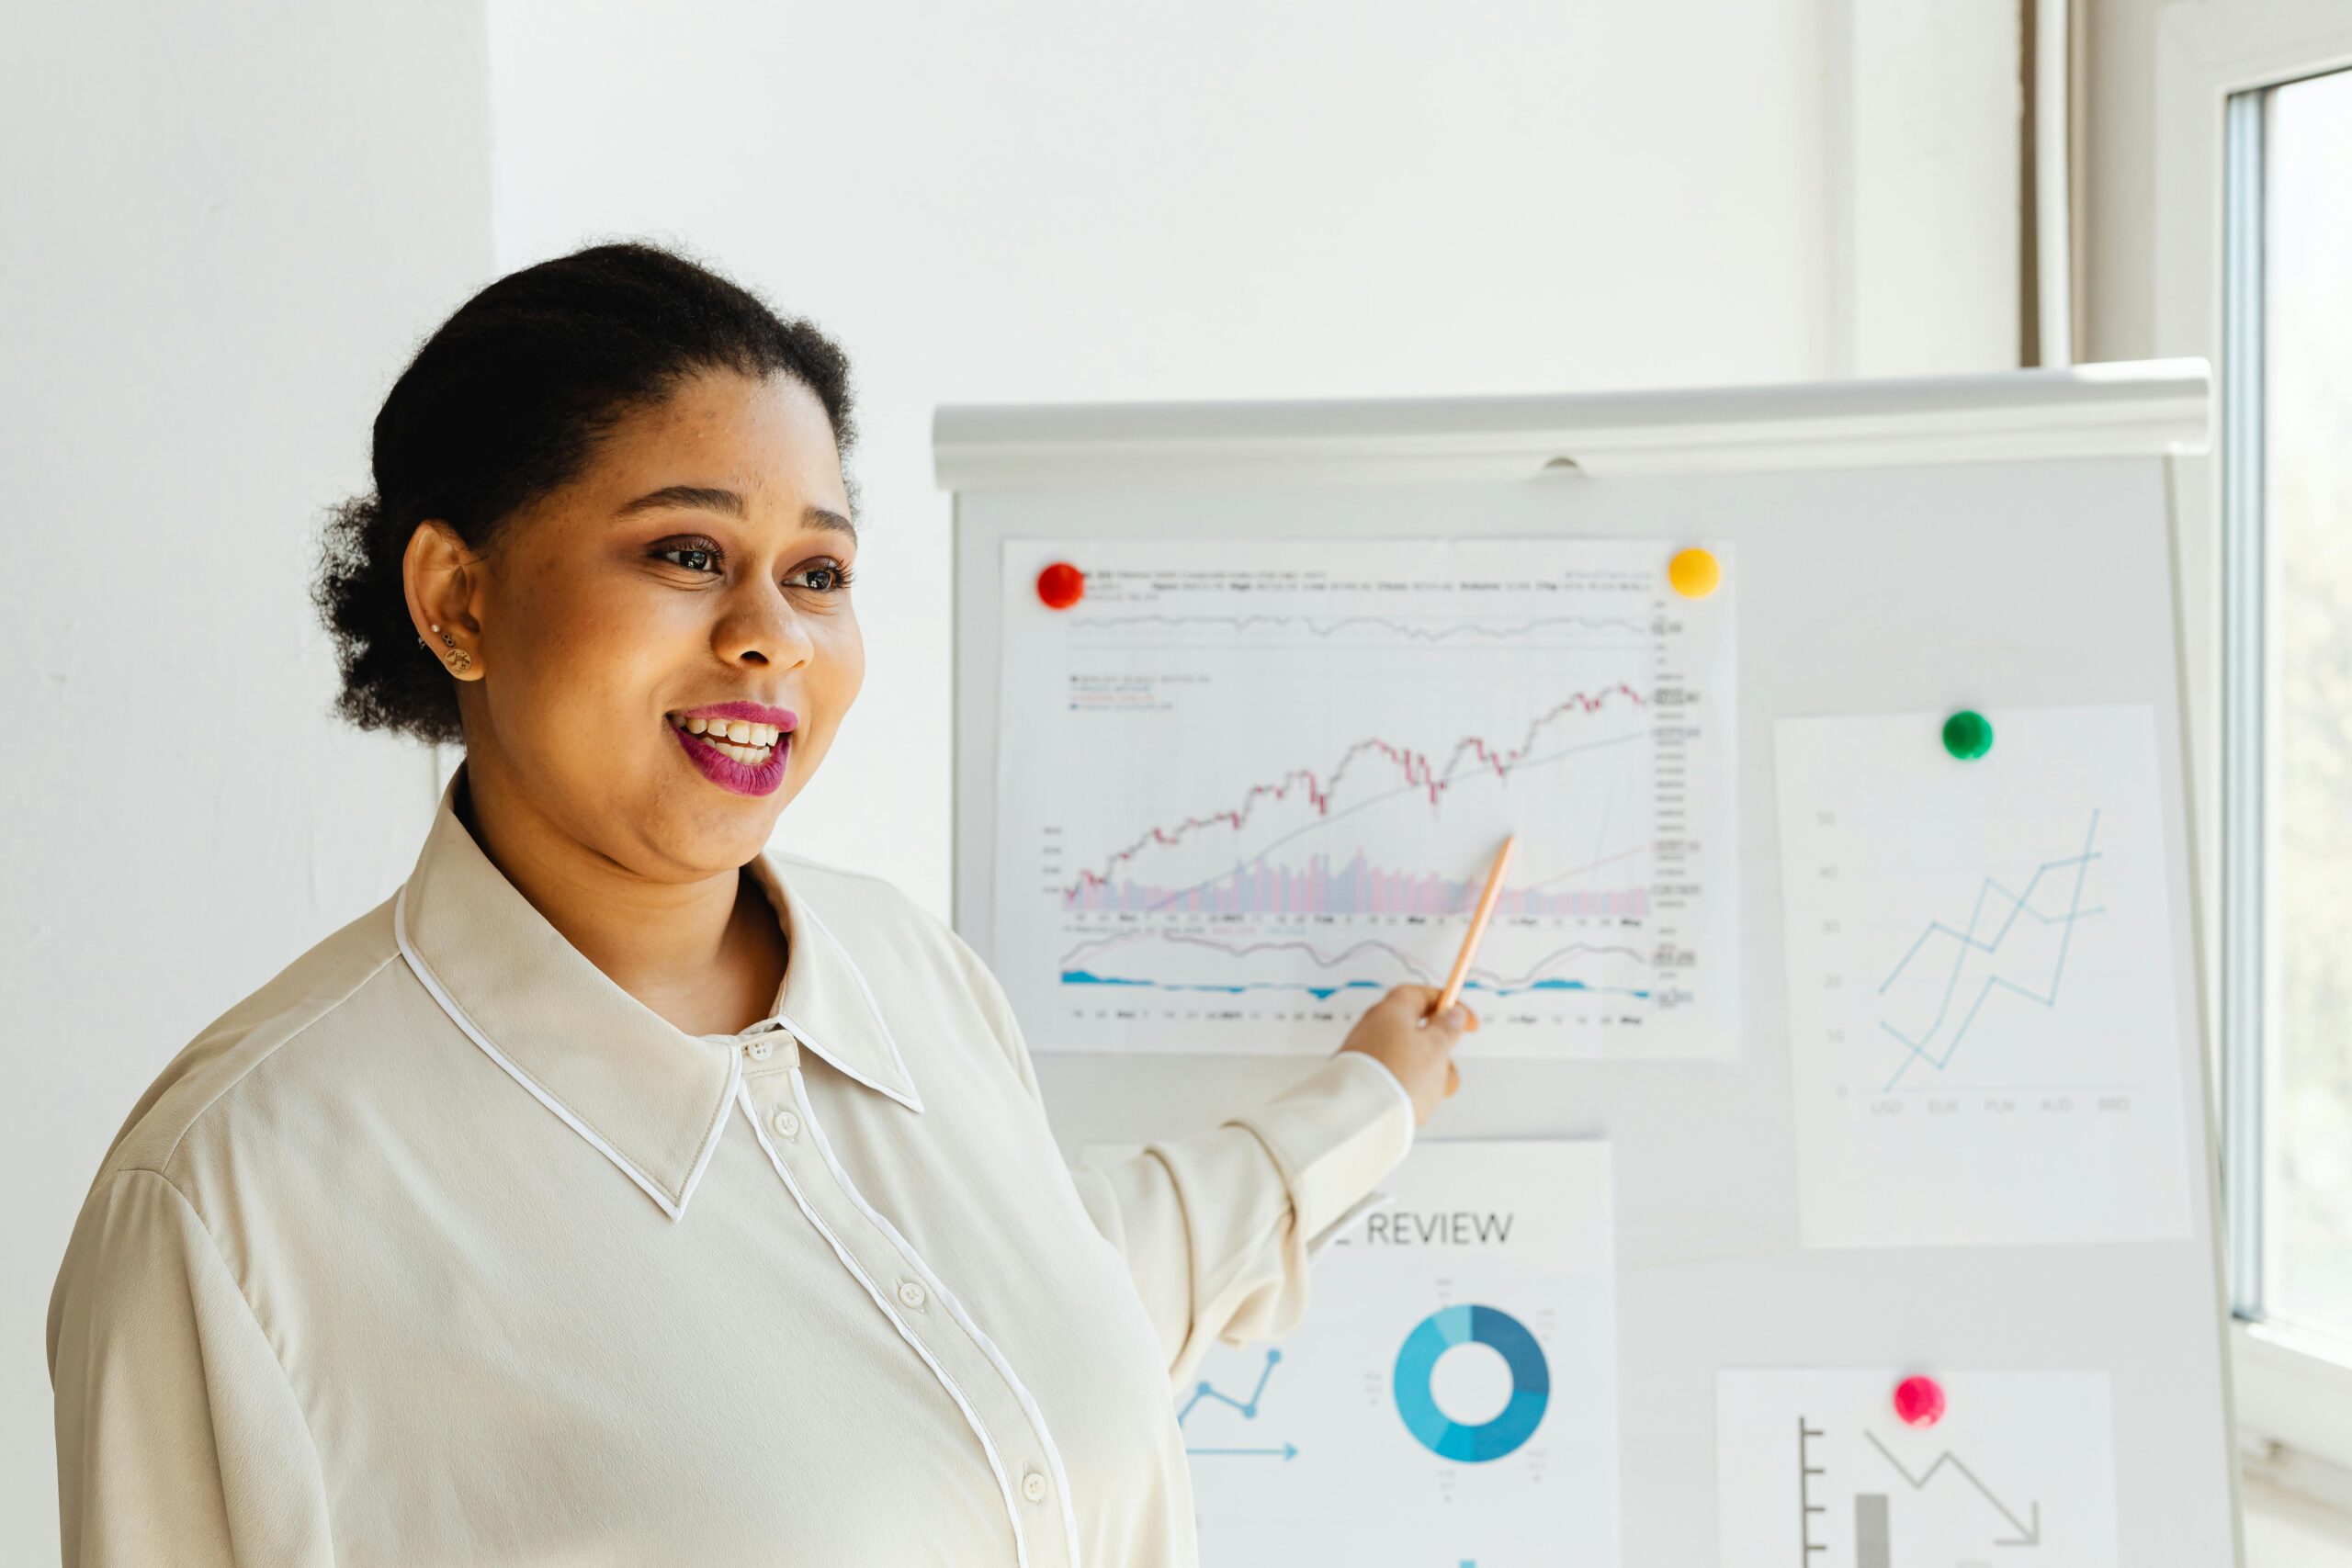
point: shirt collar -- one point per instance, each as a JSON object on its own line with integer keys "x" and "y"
{"x": 650, "y": 1096}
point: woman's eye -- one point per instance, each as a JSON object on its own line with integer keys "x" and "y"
{"x": 700, "y": 556}
{"x": 828, "y": 577}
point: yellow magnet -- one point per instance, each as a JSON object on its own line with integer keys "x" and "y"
{"x": 1694, "y": 573}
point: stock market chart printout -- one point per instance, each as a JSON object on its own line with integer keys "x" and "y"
{"x": 1245, "y": 786}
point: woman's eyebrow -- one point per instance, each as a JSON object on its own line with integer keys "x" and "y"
{"x": 703, "y": 497}
{"x": 825, "y": 517}
{"x": 710, "y": 498}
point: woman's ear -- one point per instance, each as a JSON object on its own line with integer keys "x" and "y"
{"x": 442, "y": 580}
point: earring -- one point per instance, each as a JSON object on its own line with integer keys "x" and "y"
{"x": 458, "y": 658}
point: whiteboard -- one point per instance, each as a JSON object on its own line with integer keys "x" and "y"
{"x": 1996, "y": 543}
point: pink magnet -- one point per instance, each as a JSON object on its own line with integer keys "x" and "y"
{"x": 1920, "y": 1401}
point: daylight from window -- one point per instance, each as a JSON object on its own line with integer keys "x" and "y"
{"x": 2308, "y": 417}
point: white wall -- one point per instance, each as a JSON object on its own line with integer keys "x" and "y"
{"x": 1061, "y": 199}
{"x": 226, "y": 227}
{"x": 1925, "y": 108}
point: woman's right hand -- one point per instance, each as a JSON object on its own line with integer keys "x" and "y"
{"x": 1398, "y": 1031}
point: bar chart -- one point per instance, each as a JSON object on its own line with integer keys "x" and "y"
{"x": 1817, "y": 1468}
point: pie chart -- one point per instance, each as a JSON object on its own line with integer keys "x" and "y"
{"x": 1530, "y": 1380}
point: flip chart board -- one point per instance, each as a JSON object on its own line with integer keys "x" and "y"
{"x": 1852, "y": 908}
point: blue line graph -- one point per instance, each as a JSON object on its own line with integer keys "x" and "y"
{"x": 1921, "y": 1047}
{"x": 1324, "y": 992}
{"x": 1248, "y": 1408}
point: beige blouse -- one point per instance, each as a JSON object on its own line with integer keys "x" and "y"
{"x": 440, "y": 1247}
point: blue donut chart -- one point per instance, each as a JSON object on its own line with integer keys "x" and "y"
{"x": 1531, "y": 1379}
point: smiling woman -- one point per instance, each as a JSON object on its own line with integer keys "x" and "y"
{"x": 610, "y": 491}
{"x": 394, "y": 1262}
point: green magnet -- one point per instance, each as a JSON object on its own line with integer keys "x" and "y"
{"x": 1968, "y": 735}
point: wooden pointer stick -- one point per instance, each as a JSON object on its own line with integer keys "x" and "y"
{"x": 1471, "y": 941}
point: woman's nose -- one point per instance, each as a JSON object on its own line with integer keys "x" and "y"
{"x": 769, "y": 629}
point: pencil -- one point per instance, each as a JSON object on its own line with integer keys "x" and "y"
{"x": 1485, "y": 912}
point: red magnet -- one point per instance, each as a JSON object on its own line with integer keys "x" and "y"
{"x": 1920, "y": 1401}
{"x": 1060, "y": 585}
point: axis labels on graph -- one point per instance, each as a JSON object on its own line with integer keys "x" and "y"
{"x": 1237, "y": 801}
{"x": 1982, "y": 1023}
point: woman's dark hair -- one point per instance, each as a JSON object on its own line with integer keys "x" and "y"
{"x": 504, "y": 403}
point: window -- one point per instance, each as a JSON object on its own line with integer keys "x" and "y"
{"x": 2286, "y": 764}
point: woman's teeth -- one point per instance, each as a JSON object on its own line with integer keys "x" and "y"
{"x": 749, "y": 744}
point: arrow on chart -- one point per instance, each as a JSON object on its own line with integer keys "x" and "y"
{"x": 2027, "y": 1534}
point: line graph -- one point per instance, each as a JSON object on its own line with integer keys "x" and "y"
{"x": 1381, "y": 964}
{"x": 1965, "y": 940}
{"x": 1983, "y": 1016}
{"x": 1205, "y": 1390}
{"x": 1235, "y": 804}
{"x": 1418, "y": 774}
{"x": 1321, "y": 959}
{"x": 1175, "y": 897}
{"x": 1425, "y": 631}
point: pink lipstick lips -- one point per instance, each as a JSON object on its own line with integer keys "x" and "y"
{"x": 733, "y": 772}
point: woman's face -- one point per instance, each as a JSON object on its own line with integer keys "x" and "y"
{"x": 700, "y": 558}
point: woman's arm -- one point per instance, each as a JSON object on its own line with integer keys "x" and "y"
{"x": 1219, "y": 1229}
{"x": 178, "y": 1438}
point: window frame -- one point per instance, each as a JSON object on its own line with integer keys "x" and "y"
{"x": 2216, "y": 64}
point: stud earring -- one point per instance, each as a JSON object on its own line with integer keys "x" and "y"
{"x": 458, "y": 658}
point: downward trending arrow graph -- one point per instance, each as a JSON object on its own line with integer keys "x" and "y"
{"x": 2028, "y": 1530}
{"x": 2024, "y": 1475}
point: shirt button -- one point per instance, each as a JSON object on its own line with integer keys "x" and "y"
{"x": 911, "y": 1292}
{"x": 758, "y": 1049}
{"x": 787, "y": 1122}
{"x": 1033, "y": 1486}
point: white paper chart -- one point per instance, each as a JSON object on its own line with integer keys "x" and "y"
{"x": 1246, "y": 787}
{"x": 1814, "y": 1467}
{"x": 1451, "y": 1395}
{"x": 1981, "y": 999}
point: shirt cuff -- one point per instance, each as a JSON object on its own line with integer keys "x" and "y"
{"x": 1402, "y": 1092}
{"x": 1334, "y": 1134}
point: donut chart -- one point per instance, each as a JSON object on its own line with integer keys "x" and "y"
{"x": 1531, "y": 1379}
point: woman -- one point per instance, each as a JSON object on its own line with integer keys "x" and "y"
{"x": 622, "y": 1190}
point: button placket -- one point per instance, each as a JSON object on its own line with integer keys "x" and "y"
{"x": 995, "y": 1409}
